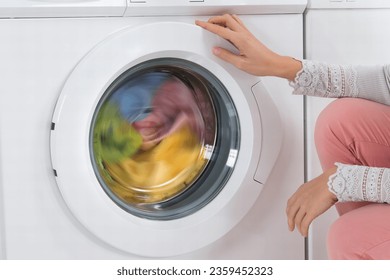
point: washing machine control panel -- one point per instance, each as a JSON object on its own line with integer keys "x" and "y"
{"x": 209, "y": 7}
{"x": 120, "y": 8}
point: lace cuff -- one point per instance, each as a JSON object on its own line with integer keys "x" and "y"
{"x": 360, "y": 183}
{"x": 325, "y": 80}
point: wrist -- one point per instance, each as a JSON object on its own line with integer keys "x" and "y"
{"x": 329, "y": 174}
{"x": 287, "y": 67}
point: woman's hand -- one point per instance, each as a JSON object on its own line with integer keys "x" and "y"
{"x": 309, "y": 201}
{"x": 254, "y": 57}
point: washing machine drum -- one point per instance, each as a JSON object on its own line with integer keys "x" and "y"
{"x": 154, "y": 144}
{"x": 161, "y": 137}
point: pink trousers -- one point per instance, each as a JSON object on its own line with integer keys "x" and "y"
{"x": 356, "y": 131}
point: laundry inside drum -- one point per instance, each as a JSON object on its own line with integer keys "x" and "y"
{"x": 153, "y": 134}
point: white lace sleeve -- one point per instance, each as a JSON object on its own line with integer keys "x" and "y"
{"x": 325, "y": 80}
{"x": 360, "y": 183}
{"x": 330, "y": 80}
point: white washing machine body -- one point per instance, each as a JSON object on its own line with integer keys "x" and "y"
{"x": 343, "y": 32}
{"x": 59, "y": 63}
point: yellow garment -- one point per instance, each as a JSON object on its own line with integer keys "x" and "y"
{"x": 161, "y": 172}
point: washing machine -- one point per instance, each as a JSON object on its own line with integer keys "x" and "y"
{"x": 340, "y": 32}
{"x": 123, "y": 137}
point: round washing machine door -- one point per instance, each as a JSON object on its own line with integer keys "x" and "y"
{"x": 153, "y": 141}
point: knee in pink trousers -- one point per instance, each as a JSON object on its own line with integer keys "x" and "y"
{"x": 356, "y": 131}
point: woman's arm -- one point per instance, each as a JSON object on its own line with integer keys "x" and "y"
{"x": 360, "y": 183}
{"x": 336, "y": 81}
{"x": 340, "y": 183}
{"x": 318, "y": 79}
{"x": 254, "y": 57}
{"x": 307, "y": 77}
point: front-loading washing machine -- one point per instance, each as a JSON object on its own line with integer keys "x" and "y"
{"x": 122, "y": 136}
{"x": 348, "y": 33}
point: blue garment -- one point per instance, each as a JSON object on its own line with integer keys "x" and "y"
{"x": 134, "y": 98}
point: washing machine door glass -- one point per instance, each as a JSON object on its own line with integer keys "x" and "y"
{"x": 164, "y": 138}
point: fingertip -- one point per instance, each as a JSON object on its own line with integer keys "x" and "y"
{"x": 226, "y": 56}
{"x": 198, "y": 22}
{"x": 303, "y": 231}
{"x": 291, "y": 227}
{"x": 216, "y": 51}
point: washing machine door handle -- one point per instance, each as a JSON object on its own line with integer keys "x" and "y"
{"x": 271, "y": 134}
